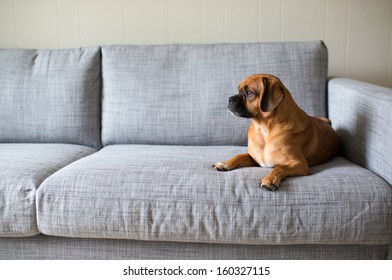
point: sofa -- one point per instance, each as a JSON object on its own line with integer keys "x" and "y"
{"x": 106, "y": 153}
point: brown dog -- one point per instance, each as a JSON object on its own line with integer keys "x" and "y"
{"x": 281, "y": 135}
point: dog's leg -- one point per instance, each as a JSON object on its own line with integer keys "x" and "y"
{"x": 242, "y": 160}
{"x": 295, "y": 168}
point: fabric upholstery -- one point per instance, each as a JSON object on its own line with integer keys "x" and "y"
{"x": 171, "y": 193}
{"x": 50, "y": 96}
{"x": 389, "y": 256}
{"x": 361, "y": 114}
{"x": 23, "y": 167}
{"x": 44, "y": 247}
{"x": 178, "y": 94}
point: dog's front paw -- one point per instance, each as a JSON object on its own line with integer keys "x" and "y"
{"x": 220, "y": 166}
{"x": 271, "y": 188}
{"x": 269, "y": 185}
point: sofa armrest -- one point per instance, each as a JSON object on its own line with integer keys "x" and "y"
{"x": 361, "y": 113}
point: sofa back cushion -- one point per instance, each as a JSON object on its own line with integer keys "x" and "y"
{"x": 50, "y": 96}
{"x": 177, "y": 94}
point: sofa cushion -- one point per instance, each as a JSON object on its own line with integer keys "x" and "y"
{"x": 177, "y": 94}
{"x": 171, "y": 193}
{"x": 23, "y": 167}
{"x": 50, "y": 96}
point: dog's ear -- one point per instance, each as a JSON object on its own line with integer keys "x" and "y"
{"x": 272, "y": 95}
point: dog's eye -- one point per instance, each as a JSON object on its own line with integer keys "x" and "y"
{"x": 248, "y": 93}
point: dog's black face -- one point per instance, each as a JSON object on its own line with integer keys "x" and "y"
{"x": 238, "y": 107}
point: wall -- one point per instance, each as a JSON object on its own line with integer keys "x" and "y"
{"x": 358, "y": 33}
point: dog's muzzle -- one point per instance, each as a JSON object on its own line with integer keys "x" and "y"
{"x": 237, "y": 107}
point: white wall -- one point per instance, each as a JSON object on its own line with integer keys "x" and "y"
{"x": 358, "y": 33}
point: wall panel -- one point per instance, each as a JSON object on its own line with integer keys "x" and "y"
{"x": 336, "y": 35}
{"x": 101, "y": 22}
{"x": 69, "y": 23}
{"x": 7, "y": 24}
{"x": 303, "y": 20}
{"x": 146, "y": 22}
{"x": 270, "y": 20}
{"x": 242, "y": 20}
{"x": 36, "y": 23}
{"x": 369, "y": 40}
{"x": 358, "y": 33}
{"x": 185, "y": 21}
{"x": 213, "y": 21}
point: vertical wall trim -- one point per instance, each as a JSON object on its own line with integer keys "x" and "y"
{"x": 123, "y": 21}
{"x": 326, "y": 21}
{"x": 281, "y": 19}
{"x": 16, "y": 24}
{"x": 168, "y": 21}
{"x": 225, "y": 21}
{"x": 59, "y": 39}
{"x": 202, "y": 22}
{"x": 80, "y": 24}
{"x": 389, "y": 78}
{"x": 258, "y": 19}
{"x": 347, "y": 38}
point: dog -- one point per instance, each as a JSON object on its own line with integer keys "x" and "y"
{"x": 281, "y": 135}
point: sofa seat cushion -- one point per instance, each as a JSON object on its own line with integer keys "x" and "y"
{"x": 171, "y": 193}
{"x": 23, "y": 167}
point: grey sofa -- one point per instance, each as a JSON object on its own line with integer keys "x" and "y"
{"x": 106, "y": 153}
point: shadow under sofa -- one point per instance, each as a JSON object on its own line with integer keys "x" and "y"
{"x": 107, "y": 152}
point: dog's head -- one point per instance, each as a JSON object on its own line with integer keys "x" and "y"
{"x": 257, "y": 95}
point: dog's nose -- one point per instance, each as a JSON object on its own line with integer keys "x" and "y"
{"x": 233, "y": 99}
